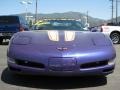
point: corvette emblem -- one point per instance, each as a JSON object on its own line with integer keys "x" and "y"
{"x": 62, "y": 48}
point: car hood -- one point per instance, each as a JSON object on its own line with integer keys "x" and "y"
{"x": 55, "y": 37}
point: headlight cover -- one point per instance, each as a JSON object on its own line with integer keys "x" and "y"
{"x": 21, "y": 40}
{"x": 10, "y": 60}
{"x": 102, "y": 40}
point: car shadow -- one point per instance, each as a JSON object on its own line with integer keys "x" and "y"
{"x": 48, "y": 82}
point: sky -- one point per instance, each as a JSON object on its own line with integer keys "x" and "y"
{"x": 96, "y": 8}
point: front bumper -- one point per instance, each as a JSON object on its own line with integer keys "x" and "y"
{"x": 82, "y": 61}
{"x": 102, "y": 70}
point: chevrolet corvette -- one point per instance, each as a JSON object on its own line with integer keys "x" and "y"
{"x": 61, "y": 48}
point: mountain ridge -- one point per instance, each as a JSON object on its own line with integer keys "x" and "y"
{"x": 70, "y": 15}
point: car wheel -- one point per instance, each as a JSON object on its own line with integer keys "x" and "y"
{"x": 1, "y": 40}
{"x": 115, "y": 37}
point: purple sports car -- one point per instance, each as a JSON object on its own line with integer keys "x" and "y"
{"x": 61, "y": 48}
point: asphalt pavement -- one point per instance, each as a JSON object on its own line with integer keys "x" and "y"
{"x": 9, "y": 81}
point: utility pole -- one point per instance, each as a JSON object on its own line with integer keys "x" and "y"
{"x": 26, "y": 2}
{"x": 86, "y": 23}
{"x": 36, "y": 10}
{"x": 116, "y": 11}
{"x": 87, "y": 16}
{"x": 112, "y": 10}
{"x": 117, "y": 1}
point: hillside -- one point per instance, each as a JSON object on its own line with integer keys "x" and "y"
{"x": 71, "y": 15}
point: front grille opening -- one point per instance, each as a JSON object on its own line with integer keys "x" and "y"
{"x": 108, "y": 70}
{"x": 29, "y": 64}
{"x": 14, "y": 69}
{"x": 94, "y": 64}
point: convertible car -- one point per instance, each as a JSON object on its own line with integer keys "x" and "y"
{"x": 61, "y": 48}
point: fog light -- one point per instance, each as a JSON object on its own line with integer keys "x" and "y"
{"x": 10, "y": 60}
{"x": 111, "y": 62}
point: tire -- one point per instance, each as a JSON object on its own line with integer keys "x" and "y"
{"x": 1, "y": 40}
{"x": 115, "y": 37}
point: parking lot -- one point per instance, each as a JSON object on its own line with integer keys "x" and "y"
{"x": 13, "y": 82}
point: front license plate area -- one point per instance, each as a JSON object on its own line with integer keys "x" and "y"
{"x": 55, "y": 64}
{"x": 68, "y": 64}
{"x": 62, "y": 64}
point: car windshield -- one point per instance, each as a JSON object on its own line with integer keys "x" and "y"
{"x": 60, "y": 25}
